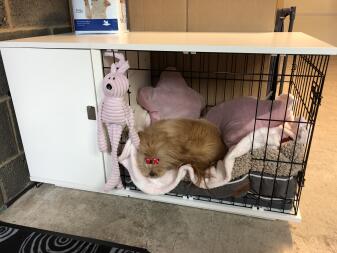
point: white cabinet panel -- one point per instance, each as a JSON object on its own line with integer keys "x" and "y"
{"x": 51, "y": 89}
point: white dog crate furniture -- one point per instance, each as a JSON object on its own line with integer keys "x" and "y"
{"x": 55, "y": 83}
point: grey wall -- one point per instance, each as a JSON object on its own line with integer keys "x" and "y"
{"x": 20, "y": 19}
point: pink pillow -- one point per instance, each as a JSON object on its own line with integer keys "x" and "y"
{"x": 236, "y": 118}
{"x": 171, "y": 98}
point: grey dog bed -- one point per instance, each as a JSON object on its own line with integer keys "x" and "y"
{"x": 276, "y": 186}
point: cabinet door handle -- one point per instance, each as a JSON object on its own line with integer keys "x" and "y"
{"x": 91, "y": 112}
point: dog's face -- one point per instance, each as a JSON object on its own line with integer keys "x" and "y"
{"x": 152, "y": 157}
{"x": 149, "y": 168}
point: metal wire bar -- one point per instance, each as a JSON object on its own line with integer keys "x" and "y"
{"x": 256, "y": 113}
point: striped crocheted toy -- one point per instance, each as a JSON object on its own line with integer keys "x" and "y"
{"x": 114, "y": 114}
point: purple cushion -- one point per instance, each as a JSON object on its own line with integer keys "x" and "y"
{"x": 171, "y": 98}
{"x": 236, "y": 118}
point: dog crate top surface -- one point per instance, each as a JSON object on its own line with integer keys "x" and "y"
{"x": 257, "y": 43}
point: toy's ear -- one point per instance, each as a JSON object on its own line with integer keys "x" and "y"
{"x": 120, "y": 57}
{"x": 122, "y": 67}
{"x": 113, "y": 68}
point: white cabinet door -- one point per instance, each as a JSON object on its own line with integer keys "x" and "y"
{"x": 51, "y": 89}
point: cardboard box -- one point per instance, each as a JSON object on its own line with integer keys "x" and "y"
{"x": 231, "y": 16}
{"x": 202, "y": 16}
{"x": 99, "y": 16}
{"x": 157, "y": 15}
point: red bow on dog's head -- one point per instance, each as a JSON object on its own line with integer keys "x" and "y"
{"x": 152, "y": 161}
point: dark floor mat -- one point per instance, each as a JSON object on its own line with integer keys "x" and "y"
{"x": 20, "y": 239}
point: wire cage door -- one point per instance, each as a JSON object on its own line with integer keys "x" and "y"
{"x": 275, "y": 176}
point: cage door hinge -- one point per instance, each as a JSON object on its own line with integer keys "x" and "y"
{"x": 317, "y": 96}
{"x": 300, "y": 179}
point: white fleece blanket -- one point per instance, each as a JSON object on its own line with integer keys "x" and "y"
{"x": 220, "y": 175}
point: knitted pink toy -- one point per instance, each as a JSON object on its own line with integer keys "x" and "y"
{"x": 114, "y": 114}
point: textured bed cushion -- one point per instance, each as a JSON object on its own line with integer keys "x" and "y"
{"x": 290, "y": 160}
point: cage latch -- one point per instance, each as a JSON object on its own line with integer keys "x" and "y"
{"x": 91, "y": 112}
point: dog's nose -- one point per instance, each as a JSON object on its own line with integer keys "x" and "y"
{"x": 152, "y": 174}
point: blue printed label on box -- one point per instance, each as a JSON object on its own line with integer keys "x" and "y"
{"x": 96, "y": 24}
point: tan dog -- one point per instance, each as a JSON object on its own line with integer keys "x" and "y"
{"x": 169, "y": 144}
